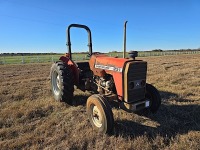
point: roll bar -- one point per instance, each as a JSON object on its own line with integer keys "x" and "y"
{"x": 69, "y": 40}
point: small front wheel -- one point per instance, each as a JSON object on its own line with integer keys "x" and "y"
{"x": 100, "y": 113}
{"x": 153, "y": 95}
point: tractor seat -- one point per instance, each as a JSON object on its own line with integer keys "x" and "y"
{"x": 83, "y": 65}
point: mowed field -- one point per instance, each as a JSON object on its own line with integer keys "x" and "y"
{"x": 31, "y": 119}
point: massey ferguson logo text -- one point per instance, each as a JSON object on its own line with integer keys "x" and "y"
{"x": 113, "y": 68}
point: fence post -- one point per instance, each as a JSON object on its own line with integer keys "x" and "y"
{"x": 4, "y": 61}
{"x": 22, "y": 60}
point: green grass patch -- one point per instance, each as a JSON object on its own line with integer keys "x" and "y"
{"x": 44, "y": 58}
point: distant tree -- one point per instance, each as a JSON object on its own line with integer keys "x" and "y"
{"x": 113, "y": 52}
{"x": 157, "y": 50}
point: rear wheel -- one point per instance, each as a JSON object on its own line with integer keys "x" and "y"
{"x": 62, "y": 82}
{"x": 100, "y": 114}
{"x": 153, "y": 95}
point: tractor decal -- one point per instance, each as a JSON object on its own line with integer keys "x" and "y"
{"x": 112, "y": 68}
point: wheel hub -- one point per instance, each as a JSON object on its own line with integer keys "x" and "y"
{"x": 96, "y": 117}
{"x": 56, "y": 83}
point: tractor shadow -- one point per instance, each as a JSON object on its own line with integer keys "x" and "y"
{"x": 80, "y": 100}
{"x": 170, "y": 119}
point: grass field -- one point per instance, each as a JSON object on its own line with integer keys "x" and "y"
{"x": 78, "y": 56}
{"x": 31, "y": 119}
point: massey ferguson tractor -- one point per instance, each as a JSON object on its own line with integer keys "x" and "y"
{"x": 113, "y": 79}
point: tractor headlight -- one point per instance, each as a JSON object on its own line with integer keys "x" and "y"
{"x": 131, "y": 85}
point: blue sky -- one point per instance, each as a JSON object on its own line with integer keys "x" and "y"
{"x": 40, "y": 25}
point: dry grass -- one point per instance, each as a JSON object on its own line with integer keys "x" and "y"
{"x": 31, "y": 119}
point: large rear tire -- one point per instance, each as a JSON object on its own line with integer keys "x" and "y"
{"x": 100, "y": 114}
{"x": 62, "y": 82}
{"x": 153, "y": 95}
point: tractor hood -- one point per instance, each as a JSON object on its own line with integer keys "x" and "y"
{"x": 101, "y": 64}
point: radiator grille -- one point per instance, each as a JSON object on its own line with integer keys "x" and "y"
{"x": 134, "y": 81}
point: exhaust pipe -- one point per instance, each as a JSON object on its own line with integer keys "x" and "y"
{"x": 124, "y": 52}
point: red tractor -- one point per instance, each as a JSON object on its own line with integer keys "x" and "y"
{"x": 122, "y": 80}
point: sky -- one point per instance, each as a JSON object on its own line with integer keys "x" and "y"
{"x": 34, "y": 26}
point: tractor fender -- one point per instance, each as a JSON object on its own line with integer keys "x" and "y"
{"x": 72, "y": 65}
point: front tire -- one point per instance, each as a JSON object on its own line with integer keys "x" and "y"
{"x": 153, "y": 95}
{"x": 62, "y": 82}
{"x": 100, "y": 114}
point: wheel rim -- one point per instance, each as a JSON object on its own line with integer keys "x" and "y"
{"x": 56, "y": 83}
{"x": 96, "y": 116}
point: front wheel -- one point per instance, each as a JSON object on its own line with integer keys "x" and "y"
{"x": 154, "y": 97}
{"x": 100, "y": 114}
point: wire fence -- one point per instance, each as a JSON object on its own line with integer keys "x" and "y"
{"x": 25, "y": 59}
{"x": 79, "y": 57}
